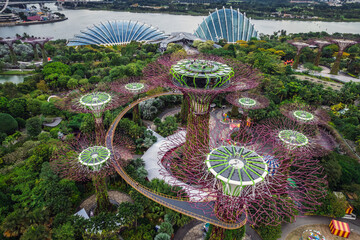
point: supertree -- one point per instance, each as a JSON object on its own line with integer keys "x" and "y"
{"x": 246, "y": 174}
{"x": 342, "y": 44}
{"x": 299, "y": 46}
{"x": 132, "y": 86}
{"x": 10, "y": 42}
{"x": 41, "y": 42}
{"x": 200, "y": 78}
{"x": 33, "y": 43}
{"x": 305, "y": 114}
{"x": 301, "y": 139}
{"x": 85, "y": 158}
{"x": 246, "y": 101}
{"x": 321, "y": 44}
{"x": 92, "y": 102}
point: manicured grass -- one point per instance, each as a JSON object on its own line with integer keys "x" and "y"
{"x": 16, "y": 72}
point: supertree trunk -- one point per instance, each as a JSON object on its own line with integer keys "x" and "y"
{"x": 44, "y": 56}
{"x": 36, "y": 54}
{"x": 318, "y": 56}
{"x": 184, "y": 110}
{"x": 102, "y": 196}
{"x": 296, "y": 60}
{"x": 336, "y": 67}
{"x": 197, "y": 130}
{"x": 13, "y": 56}
{"x": 136, "y": 115}
{"x": 235, "y": 111}
{"x": 198, "y": 121}
{"x": 99, "y": 130}
{"x": 218, "y": 233}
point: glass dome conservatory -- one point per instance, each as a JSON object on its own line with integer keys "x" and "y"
{"x": 228, "y": 24}
{"x": 116, "y": 33}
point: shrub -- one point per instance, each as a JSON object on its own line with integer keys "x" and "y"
{"x": 167, "y": 127}
{"x": 8, "y": 124}
{"x": 33, "y": 126}
{"x": 162, "y": 236}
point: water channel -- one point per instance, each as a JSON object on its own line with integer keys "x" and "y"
{"x": 80, "y": 19}
{"x": 12, "y": 78}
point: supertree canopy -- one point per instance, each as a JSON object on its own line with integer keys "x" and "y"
{"x": 92, "y": 102}
{"x": 247, "y": 101}
{"x": 10, "y": 42}
{"x": 298, "y": 139}
{"x": 131, "y": 86}
{"x": 228, "y": 24}
{"x": 299, "y": 46}
{"x": 304, "y": 114}
{"x": 343, "y": 44}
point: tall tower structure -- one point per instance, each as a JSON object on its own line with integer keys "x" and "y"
{"x": 10, "y": 42}
{"x": 299, "y": 46}
{"x": 41, "y": 42}
{"x": 342, "y": 44}
{"x": 321, "y": 44}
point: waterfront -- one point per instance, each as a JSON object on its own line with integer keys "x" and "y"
{"x": 12, "y": 78}
{"x": 80, "y": 19}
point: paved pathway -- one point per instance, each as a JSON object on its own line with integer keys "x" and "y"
{"x": 326, "y": 73}
{"x": 309, "y": 220}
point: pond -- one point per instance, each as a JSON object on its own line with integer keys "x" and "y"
{"x": 12, "y": 78}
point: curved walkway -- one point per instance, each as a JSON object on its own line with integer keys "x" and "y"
{"x": 197, "y": 211}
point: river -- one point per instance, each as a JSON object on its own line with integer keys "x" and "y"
{"x": 80, "y": 19}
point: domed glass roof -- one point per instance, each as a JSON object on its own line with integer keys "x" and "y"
{"x": 228, "y": 24}
{"x": 116, "y": 33}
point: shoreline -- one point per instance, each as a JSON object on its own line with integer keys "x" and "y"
{"x": 12, "y": 24}
{"x": 205, "y": 15}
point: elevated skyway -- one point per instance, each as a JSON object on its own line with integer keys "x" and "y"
{"x": 198, "y": 210}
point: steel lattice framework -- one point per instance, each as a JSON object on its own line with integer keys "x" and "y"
{"x": 228, "y": 24}
{"x": 303, "y": 139}
{"x": 305, "y": 114}
{"x": 111, "y": 33}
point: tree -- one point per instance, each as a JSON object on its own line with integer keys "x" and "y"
{"x": 270, "y": 232}
{"x": 33, "y": 126}
{"x": 18, "y": 108}
{"x": 49, "y": 109}
{"x": 56, "y": 67}
{"x": 8, "y": 124}
{"x": 36, "y": 232}
{"x": 167, "y": 228}
{"x": 87, "y": 124}
{"x": 33, "y": 106}
{"x": 4, "y": 104}
{"x": 162, "y": 236}
{"x": 64, "y": 232}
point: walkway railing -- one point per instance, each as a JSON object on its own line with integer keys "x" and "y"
{"x": 171, "y": 202}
